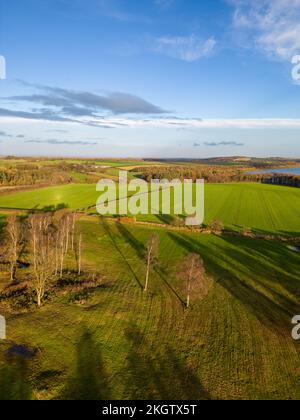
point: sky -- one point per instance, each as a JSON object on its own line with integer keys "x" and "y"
{"x": 150, "y": 78}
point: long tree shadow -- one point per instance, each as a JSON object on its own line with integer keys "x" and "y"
{"x": 159, "y": 374}
{"x": 112, "y": 238}
{"x": 137, "y": 245}
{"x": 89, "y": 380}
{"x": 161, "y": 272}
{"x": 229, "y": 271}
{"x": 286, "y": 268}
{"x": 14, "y": 383}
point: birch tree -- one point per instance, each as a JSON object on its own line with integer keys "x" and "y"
{"x": 14, "y": 234}
{"x": 64, "y": 226}
{"x": 79, "y": 254}
{"x": 151, "y": 256}
{"x": 192, "y": 272}
{"x": 42, "y": 252}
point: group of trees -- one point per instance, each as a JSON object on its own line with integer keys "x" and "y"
{"x": 33, "y": 175}
{"x": 213, "y": 174}
{"x": 46, "y": 238}
{"x": 281, "y": 179}
{"x": 190, "y": 270}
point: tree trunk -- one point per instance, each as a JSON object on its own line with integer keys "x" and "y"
{"x": 39, "y": 300}
{"x": 148, "y": 270}
{"x": 79, "y": 254}
{"x": 12, "y": 271}
{"x": 73, "y": 232}
{"x": 147, "y": 279}
{"x": 62, "y": 255}
{"x": 189, "y": 286}
{"x": 188, "y": 301}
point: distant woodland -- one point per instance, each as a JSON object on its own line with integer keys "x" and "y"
{"x": 213, "y": 174}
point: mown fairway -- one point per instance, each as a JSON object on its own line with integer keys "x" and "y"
{"x": 262, "y": 207}
{"x": 234, "y": 343}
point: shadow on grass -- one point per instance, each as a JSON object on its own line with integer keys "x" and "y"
{"x": 55, "y": 207}
{"x": 157, "y": 373}
{"x": 14, "y": 384}
{"x": 250, "y": 272}
{"x": 89, "y": 381}
{"x": 137, "y": 245}
{"x": 112, "y": 238}
{"x": 166, "y": 219}
{"x": 163, "y": 274}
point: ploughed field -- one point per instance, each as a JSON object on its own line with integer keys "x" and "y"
{"x": 234, "y": 342}
{"x": 267, "y": 208}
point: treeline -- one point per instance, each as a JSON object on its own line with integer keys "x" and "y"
{"x": 212, "y": 174}
{"x": 33, "y": 175}
{"x": 280, "y": 179}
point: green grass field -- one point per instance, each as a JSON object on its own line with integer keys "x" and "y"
{"x": 267, "y": 208}
{"x": 234, "y": 343}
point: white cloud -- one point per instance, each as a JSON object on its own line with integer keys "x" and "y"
{"x": 273, "y": 25}
{"x": 172, "y": 122}
{"x": 189, "y": 48}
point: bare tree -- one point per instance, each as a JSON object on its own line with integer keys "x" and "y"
{"x": 73, "y": 223}
{"x": 151, "y": 256}
{"x": 192, "y": 272}
{"x": 14, "y": 234}
{"x": 42, "y": 244}
{"x": 64, "y": 223}
{"x": 79, "y": 254}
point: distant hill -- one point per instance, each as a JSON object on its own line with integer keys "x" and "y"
{"x": 236, "y": 160}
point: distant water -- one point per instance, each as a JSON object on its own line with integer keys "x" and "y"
{"x": 288, "y": 171}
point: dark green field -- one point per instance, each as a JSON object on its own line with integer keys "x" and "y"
{"x": 122, "y": 343}
{"x": 234, "y": 343}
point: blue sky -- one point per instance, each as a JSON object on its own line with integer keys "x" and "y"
{"x": 150, "y": 78}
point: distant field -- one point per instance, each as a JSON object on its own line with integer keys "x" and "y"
{"x": 100, "y": 162}
{"x": 235, "y": 343}
{"x": 259, "y": 206}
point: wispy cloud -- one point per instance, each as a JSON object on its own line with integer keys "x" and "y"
{"x": 273, "y": 26}
{"x": 190, "y": 48}
{"x": 63, "y": 142}
{"x": 57, "y": 131}
{"x": 223, "y": 143}
{"x": 197, "y": 123}
{"x": 4, "y": 134}
{"x": 168, "y": 122}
